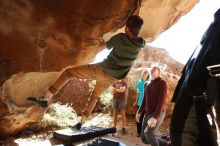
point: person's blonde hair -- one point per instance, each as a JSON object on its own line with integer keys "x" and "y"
{"x": 144, "y": 72}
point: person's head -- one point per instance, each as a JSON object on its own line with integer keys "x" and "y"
{"x": 134, "y": 25}
{"x": 145, "y": 75}
{"x": 155, "y": 72}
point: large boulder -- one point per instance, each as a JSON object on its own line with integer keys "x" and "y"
{"x": 43, "y": 36}
{"x": 20, "y": 113}
{"x": 48, "y": 36}
{"x": 20, "y": 86}
{"x": 14, "y": 94}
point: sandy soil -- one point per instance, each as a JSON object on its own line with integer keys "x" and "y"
{"x": 45, "y": 138}
{"x": 129, "y": 139}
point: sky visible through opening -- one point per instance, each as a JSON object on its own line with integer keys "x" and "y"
{"x": 181, "y": 39}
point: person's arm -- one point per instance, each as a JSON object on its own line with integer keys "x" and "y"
{"x": 111, "y": 42}
{"x": 143, "y": 104}
{"x": 102, "y": 45}
{"x": 136, "y": 100}
{"x": 142, "y": 107}
{"x": 162, "y": 98}
{"x": 105, "y": 45}
{"x": 113, "y": 89}
{"x": 121, "y": 89}
{"x": 138, "y": 94}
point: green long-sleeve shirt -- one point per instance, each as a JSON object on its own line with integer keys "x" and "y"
{"x": 123, "y": 54}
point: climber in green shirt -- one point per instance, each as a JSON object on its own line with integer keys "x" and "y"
{"x": 125, "y": 48}
{"x": 123, "y": 54}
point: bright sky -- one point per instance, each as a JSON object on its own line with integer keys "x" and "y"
{"x": 181, "y": 39}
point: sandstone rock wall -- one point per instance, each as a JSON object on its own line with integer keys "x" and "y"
{"x": 43, "y": 36}
{"x": 46, "y": 35}
{"x": 159, "y": 15}
{"x": 20, "y": 113}
{"x": 49, "y": 35}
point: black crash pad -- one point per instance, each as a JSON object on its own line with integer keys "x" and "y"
{"x": 85, "y": 133}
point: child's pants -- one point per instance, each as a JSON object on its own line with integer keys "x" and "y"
{"x": 90, "y": 71}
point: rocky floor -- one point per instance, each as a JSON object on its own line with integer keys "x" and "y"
{"x": 45, "y": 138}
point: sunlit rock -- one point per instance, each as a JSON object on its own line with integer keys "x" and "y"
{"x": 48, "y": 36}
{"x": 20, "y": 113}
{"x": 42, "y": 36}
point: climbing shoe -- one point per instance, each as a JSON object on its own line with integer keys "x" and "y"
{"x": 41, "y": 101}
{"x": 78, "y": 126}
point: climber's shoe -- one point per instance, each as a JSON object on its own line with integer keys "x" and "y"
{"x": 78, "y": 126}
{"x": 41, "y": 101}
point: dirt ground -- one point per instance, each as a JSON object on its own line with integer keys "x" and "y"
{"x": 29, "y": 138}
{"x": 45, "y": 139}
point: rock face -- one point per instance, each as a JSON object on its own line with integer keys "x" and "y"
{"x": 42, "y": 36}
{"x": 48, "y": 36}
{"x": 23, "y": 85}
{"x": 160, "y": 15}
{"x": 22, "y": 112}
{"x": 76, "y": 92}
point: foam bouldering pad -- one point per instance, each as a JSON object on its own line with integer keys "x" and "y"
{"x": 85, "y": 133}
